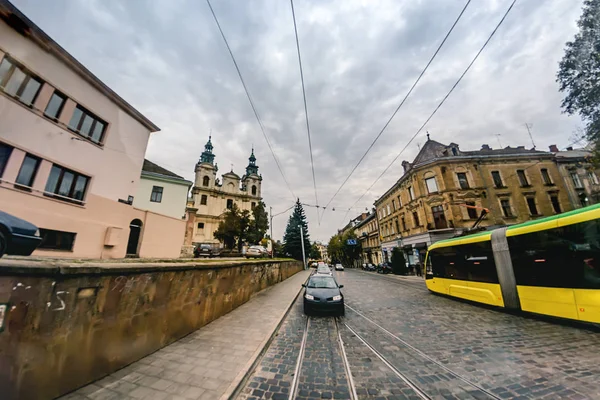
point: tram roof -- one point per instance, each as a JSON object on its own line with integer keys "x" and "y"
{"x": 554, "y": 221}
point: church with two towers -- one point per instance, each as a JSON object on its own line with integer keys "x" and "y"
{"x": 211, "y": 198}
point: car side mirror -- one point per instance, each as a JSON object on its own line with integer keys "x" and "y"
{"x": 341, "y": 286}
{"x": 304, "y": 285}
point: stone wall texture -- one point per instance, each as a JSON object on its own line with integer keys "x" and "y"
{"x": 66, "y": 326}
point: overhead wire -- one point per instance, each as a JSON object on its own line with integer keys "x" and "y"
{"x": 399, "y": 106}
{"x": 262, "y": 128}
{"x": 312, "y": 164}
{"x": 441, "y": 102}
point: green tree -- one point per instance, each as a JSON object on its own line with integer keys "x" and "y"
{"x": 292, "y": 243}
{"x": 340, "y": 250}
{"x": 315, "y": 254}
{"x": 398, "y": 262}
{"x": 579, "y": 72}
{"x": 228, "y": 230}
{"x": 243, "y": 228}
{"x": 259, "y": 224}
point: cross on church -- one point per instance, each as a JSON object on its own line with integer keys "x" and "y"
{"x": 231, "y": 167}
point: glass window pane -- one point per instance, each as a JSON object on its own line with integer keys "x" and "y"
{"x": 98, "y": 131}
{"x": 5, "y": 66}
{"x": 80, "y": 186}
{"x": 77, "y": 114}
{"x": 431, "y": 185}
{"x": 86, "y": 125}
{"x": 32, "y": 87}
{"x": 15, "y": 81}
{"x": 53, "y": 179}
{"x": 54, "y": 106}
{"x": 5, "y": 151}
{"x": 65, "y": 185}
{"x": 28, "y": 170}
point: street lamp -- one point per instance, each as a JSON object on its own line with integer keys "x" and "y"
{"x": 302, "y": 242}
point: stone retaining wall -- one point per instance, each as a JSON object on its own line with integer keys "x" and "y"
{"x": 67, "y": 325}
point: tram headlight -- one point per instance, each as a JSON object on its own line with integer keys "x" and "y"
{"x": 337, "y": 298}
{"x": 309, "y": 296}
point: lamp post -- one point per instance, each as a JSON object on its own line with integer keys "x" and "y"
{"x": 302, "y": 242}
{"x": 271, "y": 226}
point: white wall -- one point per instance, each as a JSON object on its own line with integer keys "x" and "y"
{"x": 173, "y": 201}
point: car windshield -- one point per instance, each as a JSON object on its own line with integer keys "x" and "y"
{"x": 321, "y": 282}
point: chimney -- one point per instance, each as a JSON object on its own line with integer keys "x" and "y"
{"x": 569, "y": 148}
{"x": 553, "y": 148}
{"x": 485, "y": 147}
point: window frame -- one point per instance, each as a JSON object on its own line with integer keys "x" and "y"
{"x": 438, "y": 216}
{"x": 411, "y": 193}
{"x": 229, "y": 204}
{"x": 471, "y": 210}
{"x": 500, "y": 183}
{"x": 198, "y": 227}
{"x": 60, "y": 107}
{"x": 254, "y": 190}
{"x": 556, "y": 204}
{"x": 546, "y": 178}
{"x": 593, "y": 178}
{"x": 508, "y": 214}
{"x": 28, "y": 186}
{"x": 431, "y": 179}
{"x": 576, "y": 180}
{"x": 156, "y": 195}
{"x": 29, "y": 75}
{"x": 95, "y": 119}
{"x": 530, "y": 200}
{"x": 203, "y": 200}
{"x": 460, "y": 181}
{"x": 43, "y": 245}
{"x": 9, "y": 153}
{"x": 416, "y": 221}
{"x": 59, "y": 181}
{"x": 523, "y": 181}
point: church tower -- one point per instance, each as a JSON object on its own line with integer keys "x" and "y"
{"x": 206, "y": 169}
{"x": 251, "y": 181}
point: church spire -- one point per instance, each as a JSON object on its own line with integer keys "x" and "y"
{"x": 207, "y": 155}
{"x": 252, "y": 168}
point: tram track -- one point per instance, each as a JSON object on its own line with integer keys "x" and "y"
{"x": 473, "y": 389}
{"x": 415, "y": 286}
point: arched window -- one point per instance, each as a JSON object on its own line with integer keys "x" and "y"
{"x": 253, "y": 190}
{"x": 205, "y": 181}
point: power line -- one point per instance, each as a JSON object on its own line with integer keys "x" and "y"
{"x": 312, "y": 164}
{"x": 441, "y": 103}
{"x": 262, "y": 128}
{"x": 401, "y": 104}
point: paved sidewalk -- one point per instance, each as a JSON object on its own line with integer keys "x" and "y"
{"x": 208, "y": 363}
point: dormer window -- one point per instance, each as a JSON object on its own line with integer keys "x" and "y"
{"x": 454, "y": 151}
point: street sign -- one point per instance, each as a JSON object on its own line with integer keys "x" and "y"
{"x": 351, "y": 242}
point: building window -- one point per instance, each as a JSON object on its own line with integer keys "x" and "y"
{"x": 471, "y": 210}
{"x": 56, "y": 240}
{"x": 506, "y": 210}
{"x": 19, "y": 83}
{"x": 454, "y": 151}
{"x": 388, "y": 209}
{"x": 203, "y": 199}
{"x": 205, "y": 181}
{"x": 252, "y": 205}
{"x": 397, "y": 226}
{"x": 87, "y": 124}
{"x": 200, "y": 225}
{"x": 28, "y": 170}
{"x": 66, "y": 183}
{"x": 592, "y": 178}
{"x": 411, "y": 193}
{"x": 522, "y": 178}
{"x": 399, "y": 201}
{"x": 253, "y": 190}
{"x": 431, "y": 185}
{"x": 156, "y": 196}
{"x": 546, "y": 177}
{"x": 416, "y": 219}
{"x": 439, "y": 219}
{"x": 531, "y": 205}
{"x": 583, "y": 199}
{"x": 404, "y": 224}
{"x": 229, "y": 204}
{"x": 576, "y": 180}
{"x": 555, "y": 204}
{"x": 394, "y": 205}
{"x": 55, "y": 105}
{"x": 379, "y": 213}
{"x": 497, "y": 179}
{"x": 5, "y": 152}
{"x": 462, "y": 180}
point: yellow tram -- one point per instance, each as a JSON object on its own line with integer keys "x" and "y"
{"x": 549, "y": 266}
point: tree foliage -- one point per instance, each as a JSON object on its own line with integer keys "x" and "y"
{"x": 239, "y": 226}
{"x": 292, "y": 244}
{"x": 339, "y": 250}
{"x": 398, "y": 262}
{"x": 579, "y": 72}
{"x": 315, "y": 254}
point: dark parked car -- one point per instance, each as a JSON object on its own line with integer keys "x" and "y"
{"x": 384, "y": 268}
{"x": 17, "y": 236}
{"x": 323, "y": 293}
{"x": 369, "y": 267}
{"x": 206, "y": 250}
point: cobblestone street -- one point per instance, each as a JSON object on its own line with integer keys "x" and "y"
{"x": 402, "y": 342}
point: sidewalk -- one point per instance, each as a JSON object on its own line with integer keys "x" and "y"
{"x": 208, "y": 363}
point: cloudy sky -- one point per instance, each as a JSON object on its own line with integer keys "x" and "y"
{"x": 360, "y": 57}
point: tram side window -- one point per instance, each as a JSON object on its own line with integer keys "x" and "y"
{"x": 567, "y": 257}
{"x": 469, "y": 262}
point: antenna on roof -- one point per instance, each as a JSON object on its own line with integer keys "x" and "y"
{"x": 498, "y": 137}
{"x": 527, "y": 125}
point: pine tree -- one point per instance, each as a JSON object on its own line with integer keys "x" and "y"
{"x": 579, "y": 71}
{"x": 292, "y": 242}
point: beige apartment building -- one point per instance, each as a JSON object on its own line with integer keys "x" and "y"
{"x": 367, "y": 231}
{"x": 578, "y": 173}
{"x": 445, "y": 189}
{"x": 211, "y": 198}
{"x": 71, "y": 153}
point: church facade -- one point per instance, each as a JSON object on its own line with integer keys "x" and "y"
{"x": 211, "y": 197}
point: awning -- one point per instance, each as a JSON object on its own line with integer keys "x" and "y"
{"x": 420, "y": 245}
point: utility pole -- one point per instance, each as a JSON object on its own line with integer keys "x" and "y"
{"x": 529, "y": 131}
{"x": 271, "y": 227}
{"x": 302, "y": 241}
